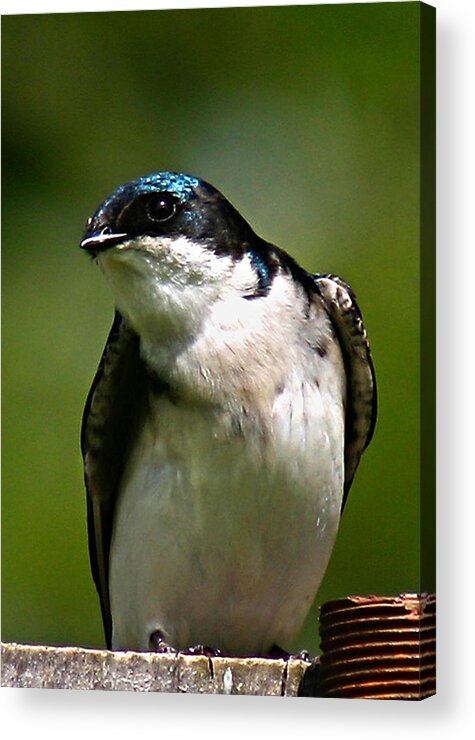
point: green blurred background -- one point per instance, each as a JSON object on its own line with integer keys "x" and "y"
{"x": 307, "y": 118}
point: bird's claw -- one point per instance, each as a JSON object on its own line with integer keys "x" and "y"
{"x": 158, "y": 645}
{"x": 203, "y": 650}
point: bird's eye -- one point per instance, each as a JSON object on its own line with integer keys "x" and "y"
{"x": 161, "y": 207}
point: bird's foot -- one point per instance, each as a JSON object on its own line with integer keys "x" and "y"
{"x": 278, "y": 653}
{"x": 202, "y": 650}
{"x": 158, "y": 645}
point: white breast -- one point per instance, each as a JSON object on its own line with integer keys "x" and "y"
{"x": 229, "y": 505}
{"x": 223, "y": 531}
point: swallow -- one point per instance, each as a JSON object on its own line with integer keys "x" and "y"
{"x": 233, "y": 401}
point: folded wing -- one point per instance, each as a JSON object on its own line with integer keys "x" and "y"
{"x": 113, "y": 409}
{"x": 361, "y": 397}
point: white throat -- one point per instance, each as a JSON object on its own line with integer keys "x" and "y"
{"x": 162, "y": 286}
{"x": 169, "y": 289}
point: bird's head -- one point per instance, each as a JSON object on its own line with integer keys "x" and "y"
{"x": 164, "y": 206}
{"x": 170, "y": 243}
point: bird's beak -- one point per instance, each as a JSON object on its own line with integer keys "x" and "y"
{"x": 101, "y": 240}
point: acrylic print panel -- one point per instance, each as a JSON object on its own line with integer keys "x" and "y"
{"x": 237, "y": 395}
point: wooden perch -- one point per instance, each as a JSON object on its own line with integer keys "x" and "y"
{"x": 38, "y": 666}
{"x": 373, "y": 647}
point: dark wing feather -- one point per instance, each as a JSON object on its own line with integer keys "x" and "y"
{"x": 113, "y": 408}
{"x": 361, "y": 397}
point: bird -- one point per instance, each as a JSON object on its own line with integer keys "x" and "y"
{"x": 233, "y": 401}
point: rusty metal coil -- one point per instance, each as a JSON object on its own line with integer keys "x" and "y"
{"x": 378, "y": 647}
